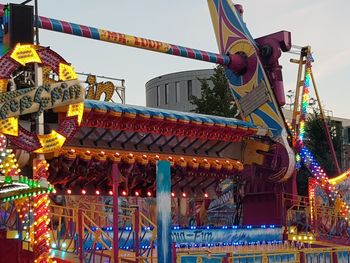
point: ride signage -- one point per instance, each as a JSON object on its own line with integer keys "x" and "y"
{"x": 38, "y": 99}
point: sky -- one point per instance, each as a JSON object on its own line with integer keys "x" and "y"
{"x": 323, "y": 24}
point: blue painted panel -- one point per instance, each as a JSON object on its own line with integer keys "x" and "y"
{"x": 344, "y": 256}
{"x": 163, "y": 212}
{"x": 318, "y": 257}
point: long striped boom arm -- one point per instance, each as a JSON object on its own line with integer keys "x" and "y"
{"x": 129, "y": 40}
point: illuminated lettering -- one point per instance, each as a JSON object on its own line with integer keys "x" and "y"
{"x": 144, "y": 42}
{"x": 178, "y": 237}
{"x": 132, "y": 40}
{"x": 137, "y": 41}
{"x": 25, "y": 103}
{"x": 147, "y": 43}
{"x": 122, "y": 38}
{"x": 159, "y": 45}
{"x": 152, "y": 44}
{"x": 104, "y": 34}
{"x": 30, "y": 100}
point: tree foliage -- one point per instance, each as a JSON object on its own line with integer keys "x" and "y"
{"x": 316, "y": 141}
{"x": 217, "y": 100}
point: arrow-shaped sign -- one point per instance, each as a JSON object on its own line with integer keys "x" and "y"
{"x": 24, "y": 54}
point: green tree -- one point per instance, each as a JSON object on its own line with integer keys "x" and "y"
{"x": 316, "y": 141}
{"x": 217, "y": 100}
{"x": 303, "y": 175}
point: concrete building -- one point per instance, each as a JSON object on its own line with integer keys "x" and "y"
{"x": 172, "y": 91}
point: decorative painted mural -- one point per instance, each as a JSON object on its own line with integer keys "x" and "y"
{"x": 344, "y": 190}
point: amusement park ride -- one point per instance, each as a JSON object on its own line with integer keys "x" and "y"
{"x": 120, "y": 177}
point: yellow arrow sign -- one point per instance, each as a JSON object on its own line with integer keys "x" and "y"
{"x": 50, "y": 142}
{"x": 76, "y": 110}
{"x": 24, "y": 54}
{"x": 66, "y": 72}
{"x": 9, "y": 126}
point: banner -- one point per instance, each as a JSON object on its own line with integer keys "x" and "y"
{"x": 199, "y": 237}
{"x": 226, "y": 235}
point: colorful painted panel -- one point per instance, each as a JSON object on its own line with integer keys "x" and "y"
{"x": 344, "y": 190}
{"x": 233, "y": 37}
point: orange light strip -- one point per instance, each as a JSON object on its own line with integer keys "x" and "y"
{"x": 145, "y": 158}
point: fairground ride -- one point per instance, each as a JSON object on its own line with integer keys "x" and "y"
{"x": 123, "y": 175}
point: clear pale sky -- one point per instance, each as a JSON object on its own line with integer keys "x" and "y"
{"x": 323, "y": 24}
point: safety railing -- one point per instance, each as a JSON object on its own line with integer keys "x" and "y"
{"x": 95, "y": 244}
{"x": 102, "y": 214}
{"x": 323, "y": 221}
{"x": 88, "y": 233}
{"x": 148, "y": 230}
{"x": 299, "y": 216}
{"x": 64, "y": 228}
